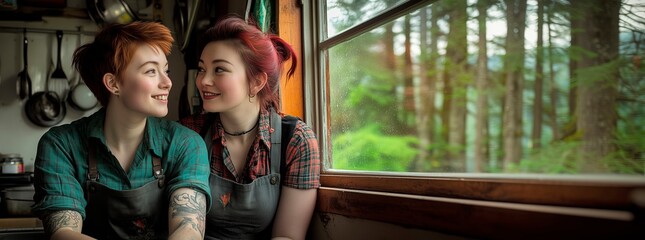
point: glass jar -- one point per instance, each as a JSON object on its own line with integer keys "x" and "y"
{"x": 12, "y": 164}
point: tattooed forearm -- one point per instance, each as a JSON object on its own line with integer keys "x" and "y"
{"x": 188, "y": 208}
{"x": 61, "y": 219}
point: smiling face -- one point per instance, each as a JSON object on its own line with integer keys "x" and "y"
{"x": 144, "y": 85}
{"x": 222, "y": 79}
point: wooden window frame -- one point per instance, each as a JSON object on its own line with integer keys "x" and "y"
{"x": 500, "y": 206}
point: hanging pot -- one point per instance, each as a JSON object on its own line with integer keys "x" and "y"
{"x": 45, "y": 109}
{"x": 110, "y": 11}
{"x": 81, "y": 98}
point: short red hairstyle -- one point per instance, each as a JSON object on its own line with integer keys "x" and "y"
{"x": 112, "y": 51}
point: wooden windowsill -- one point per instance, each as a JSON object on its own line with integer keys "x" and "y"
{"x": 605, "y": 192}
{"x": 498, "y": 206}
{"x": 11, "y": 224}
{"x": 481, "y": 219}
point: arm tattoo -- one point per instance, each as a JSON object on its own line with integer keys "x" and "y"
{"x": 191, "y": 208}
{"x": 61, "y": 219}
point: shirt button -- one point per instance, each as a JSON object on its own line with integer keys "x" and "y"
{"x": 274, "y": 180}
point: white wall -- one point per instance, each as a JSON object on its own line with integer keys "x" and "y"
{"x": 17, "y": 133}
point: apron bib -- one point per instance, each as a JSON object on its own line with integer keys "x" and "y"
{"x": 245, "y": 211}
{"x": 140, "y": 213}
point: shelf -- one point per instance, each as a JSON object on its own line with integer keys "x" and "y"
{"x": 10, "y": 180}
{"x": 37, "y": 13}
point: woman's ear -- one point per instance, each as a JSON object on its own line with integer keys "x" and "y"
{"x": 110, "y": 82}
{"x": 258, "y": 84}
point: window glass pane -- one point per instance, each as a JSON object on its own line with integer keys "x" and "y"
{"x": 426, "y": 93}
{"x": 342, "y": 14}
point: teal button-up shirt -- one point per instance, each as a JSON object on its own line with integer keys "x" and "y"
{"x": 61, "y": 165}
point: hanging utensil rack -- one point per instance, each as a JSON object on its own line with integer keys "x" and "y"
{"x": 42, "y": 30}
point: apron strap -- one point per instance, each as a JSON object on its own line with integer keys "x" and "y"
{"x": 276, "y": 142}
{"x": 93, "y": 172}
{"x": 208, "y": 139}
{"x": 288, "y": 129}
{"x": 157, "y": 171}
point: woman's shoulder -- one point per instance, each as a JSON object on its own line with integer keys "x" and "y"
{"x": 300, "y": 127}
{"x": 299, "y": 133}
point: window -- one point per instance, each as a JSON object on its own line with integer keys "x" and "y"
{"x": 425, "y": 86}
{"x": 415, "y": 111}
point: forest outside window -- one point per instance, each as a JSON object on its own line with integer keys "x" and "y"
{"x": 467, "y": 86}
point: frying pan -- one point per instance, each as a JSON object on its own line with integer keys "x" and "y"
{"x": 45, "y": 108}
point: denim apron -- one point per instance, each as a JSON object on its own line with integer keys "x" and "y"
{"x": 140, "y": 213}
{"x": 245, "y": 211}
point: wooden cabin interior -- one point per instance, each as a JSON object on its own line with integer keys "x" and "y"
{"x": 395, "y": 92}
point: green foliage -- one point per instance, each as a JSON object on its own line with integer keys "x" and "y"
{"x": 630, "y": 157}
{"x": 577, "y": 53}
{"x": 563, "y": 157}
{"x": 369, "y": 124}
{"x": 559, "y": 157}
{"x": 598, "y": 74}
{"x": 369, "y": 149}
{"x": 622, "y": 162}
{"x": 372, "y": 93}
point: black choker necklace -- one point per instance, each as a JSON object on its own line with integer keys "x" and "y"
{"x": 244, "y": 132}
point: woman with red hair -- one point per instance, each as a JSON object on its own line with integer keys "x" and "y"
{"x": 265, "y": 166}
{"x": 123, "y": 172}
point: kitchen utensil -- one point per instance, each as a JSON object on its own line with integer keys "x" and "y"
{"x": 110, "y": 11}
{"x": 45, "y": 108}
{"x": 58, "y": 81}
{"x": 24, "y": 81}
{"x": 80, "y": 97}
{"x": 184, "y": 20}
